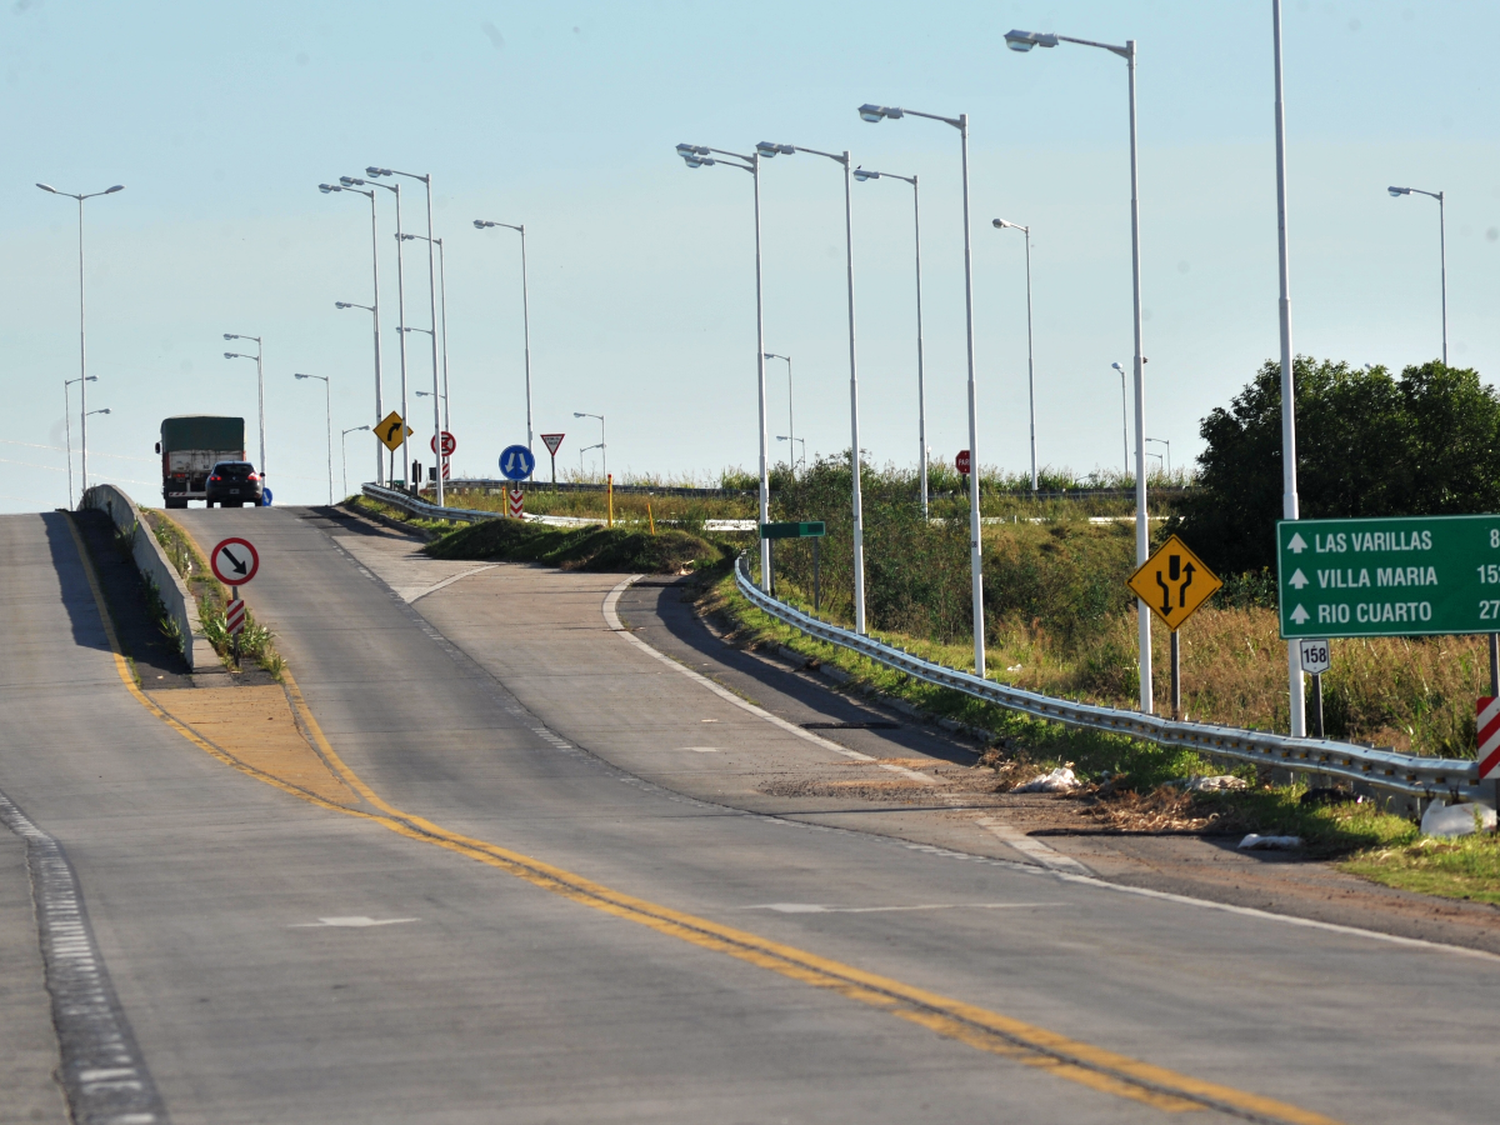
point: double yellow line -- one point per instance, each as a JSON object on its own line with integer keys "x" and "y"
{"x": 1084, "y": 1063}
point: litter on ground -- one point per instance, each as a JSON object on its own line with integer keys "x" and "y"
{"x": 1255, "y": 842}
{"x": 1443, "y": 819}
{"x": 1060, "y": 780}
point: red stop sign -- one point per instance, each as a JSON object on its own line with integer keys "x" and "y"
{"x": 961, "y": 462}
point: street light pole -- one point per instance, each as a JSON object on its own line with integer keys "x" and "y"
{"x": 375, "y": 308}
{"x": 603, "y": 445}
{"x": 1124, "y": 418}
{"x": 344, "y": 452}
{"x": 1001, "y": 224}
{"x": 875, "y": 113}
{"x": 83, "y": 380}
{"x": 328, "y": 422}
{"x": 1168, "y": 443}
{"x": 68, "y": 429}
{"x": 700, "y": 156}
{"x": 260, "y": 387}
{"x": 791, "y": 427}
{"x": 1296, "y": 699}
{"x": 1398, "y": 192}
{"x": 1023, "y": 41}
{"x": 766, "y": 150}
{"x": 482, "y": 224}
{"x": 862, "y": 175}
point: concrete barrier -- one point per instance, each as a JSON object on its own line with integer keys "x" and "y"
{"x": 157, "y": 569}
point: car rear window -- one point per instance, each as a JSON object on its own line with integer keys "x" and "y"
{"x": 234, "y": 468}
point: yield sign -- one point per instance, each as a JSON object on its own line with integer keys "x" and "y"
{"x": 1174, "y": 582}
{"x": 552, "y": 442}
{"x": 389, "y": 431}
{"x": 234, "y": 561}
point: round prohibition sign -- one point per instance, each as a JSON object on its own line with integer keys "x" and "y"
{"x": 234, "y": 561}
{"x": 450, "y": 443}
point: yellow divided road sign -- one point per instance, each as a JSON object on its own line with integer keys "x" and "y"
{"x": 1174, "y": 582}
{"x": 389, "y": 428}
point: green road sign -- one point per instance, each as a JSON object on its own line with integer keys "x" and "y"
{"x": 816, "y": 528}
{"x": 1401, "y": 577}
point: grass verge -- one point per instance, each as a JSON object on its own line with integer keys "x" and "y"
{"x": 1467, "y": 868}
{"x": 257, "y": 643}
{"x": 585, "y": 548}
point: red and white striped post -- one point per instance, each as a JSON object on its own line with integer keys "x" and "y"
{"x": 517, "y": 503}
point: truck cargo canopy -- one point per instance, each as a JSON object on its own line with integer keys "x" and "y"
{"x": 202, "y": 431}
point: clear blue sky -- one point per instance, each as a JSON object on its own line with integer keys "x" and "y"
{"x": 222, "y": 119}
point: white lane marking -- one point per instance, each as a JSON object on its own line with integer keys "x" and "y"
{"x": 103, "y": 1074}
{"x": 1030, "y": 846}
{"x": 357, "y": 921}
{"x": 819, "y": 908}
{"x": 701, "y": 749}
{"x": 612, "y": 619}
{"x": 410, "y": 596}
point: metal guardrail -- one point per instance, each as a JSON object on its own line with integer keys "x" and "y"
{"x": 1401, "y": 773}
{"x": 413, "y": 506}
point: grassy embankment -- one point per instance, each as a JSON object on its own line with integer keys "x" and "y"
{"x": 257, "y": 643}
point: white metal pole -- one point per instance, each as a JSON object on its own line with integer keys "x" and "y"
{"x": 68, "y": 439}
{"x": 83, "y": 381}
{"x": 976, "y": 562}
{"x": 328, "y": 424}
{"x": 859, "y": 514}
{"x": 260, "y": 390}
{"x": 1296, "y": 701}
{"x": 791, "y": 424}
{"x": 604, "y": 446}
{"x": 526, "y": 334}
{"x": 916, "y": 204}
{"x": 1443, "y": 259}
{"x": 401, "y": 339}
{"x": 1142, "y": 522}
{"x": 437, "y": 390}
{"x": 443, "y": 306}
{"x": 1030, "y": 362}
{"x": 379, "y": 405}
{"x": 760, "y": 386}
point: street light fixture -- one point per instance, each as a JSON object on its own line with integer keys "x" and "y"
{"x": 484, "y": 224}
{"x": 437, "y": 418}
{"x": 328, "y": 423}
{"x": 1024, "y": 41}
{"x": 876, "y": 113}
{"x": 348, "y": 183}
{"x": 585, "y": 449}
{"x": 1166, "y": 442}
{"x": 790, "y": 414}
{"x": 1001, "y": 224}
{"x": 603, "y": 443}
{"x": 766, "y": 150}
{"x": 1124, "y": 417}
{"x": 701, "y": 156}
{"x": 260, "y": 387}
{"x": 68, "y": 428}
{"x": 793, "y": 449}
{"x": 863, "y": 174}
{"x": 1397, "y": 193}
{"x": 83, "y": 372}
{"x": 344, "y": 452}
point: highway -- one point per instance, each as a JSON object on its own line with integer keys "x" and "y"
{"x": 543, "y": 880}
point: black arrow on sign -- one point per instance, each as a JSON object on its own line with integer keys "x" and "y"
{"x": 239, "y": 567}
{"x": 395, "y": 428}
{"x": 1166, "y": 596}
{"x": 1182, "y": 591}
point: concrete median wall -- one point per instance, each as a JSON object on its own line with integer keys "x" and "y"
{"x": 157, "y": 569}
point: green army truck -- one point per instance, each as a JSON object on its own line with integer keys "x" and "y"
{"x": 190, "y": 446}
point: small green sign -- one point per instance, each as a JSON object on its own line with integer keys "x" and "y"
{"x": 1400, "y": 577}
{"x": 813, "y": 529}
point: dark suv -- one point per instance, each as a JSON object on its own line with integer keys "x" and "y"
{"x": 233, "y": 484}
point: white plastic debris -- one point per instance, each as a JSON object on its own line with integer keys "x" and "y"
{"x": 1443, "y": 819}
{"x": 1256, "y": 842}
{"x": 1215, "y": 783}
{"x": 1060, "y": 780}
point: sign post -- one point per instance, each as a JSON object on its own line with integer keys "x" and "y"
{"x": 1313, "y": 658}
{"x": 234, "y": 562}
{"x": 1173, "y": 583}
{"x": 809, "y": 529}
{"x": 553, "y": 442}
{"x": 392, "y": 431}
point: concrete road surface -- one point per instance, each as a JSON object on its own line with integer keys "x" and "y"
{"x": 558, "y": 896}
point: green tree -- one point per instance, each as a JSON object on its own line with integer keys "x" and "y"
{"x": 1367, "y": 445}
